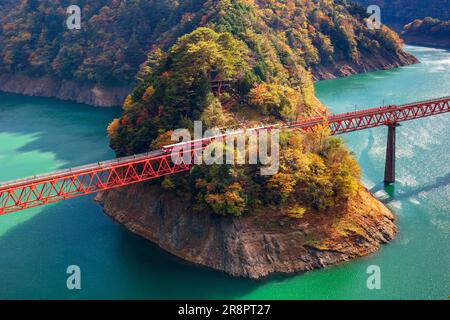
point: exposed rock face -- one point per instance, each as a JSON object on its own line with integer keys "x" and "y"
{"x": 427, "y": 41}
{"x": 253, "y": 246}
{"x": 94, "y": 95}
{"x": 370, "y": 63}
{"x": 101, "y": 96}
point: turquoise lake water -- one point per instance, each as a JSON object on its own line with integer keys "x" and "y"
{"x": 37, "y": 245}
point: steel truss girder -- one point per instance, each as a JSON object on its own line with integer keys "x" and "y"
{"x": 54, "y": 187}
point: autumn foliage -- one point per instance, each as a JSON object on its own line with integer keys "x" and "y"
{"x": 265, "y": 50}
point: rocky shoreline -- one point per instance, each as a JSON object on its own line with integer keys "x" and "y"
{"x": 101, "y": 96}
{"x": 257, "y": 245}
{"x": 428, "y": 41}
{"x": 94, "y": 95}
{"x": 370, "y": 63}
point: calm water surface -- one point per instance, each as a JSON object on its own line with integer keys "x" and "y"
{"x": 36, "y": 246}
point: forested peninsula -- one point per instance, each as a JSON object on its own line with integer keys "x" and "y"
{"x": 159, "y": 60}
{"x": 314, "y": 212}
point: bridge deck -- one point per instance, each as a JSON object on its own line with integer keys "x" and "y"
{"x": 64, "y": 184}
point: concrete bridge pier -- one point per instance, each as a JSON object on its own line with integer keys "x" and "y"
{"x": 389, "y": 169}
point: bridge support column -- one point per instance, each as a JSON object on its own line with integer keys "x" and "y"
{"x": 389, "y": 169}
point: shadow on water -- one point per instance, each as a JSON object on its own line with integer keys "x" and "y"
{"x": 56, "y": 125}
{"x": 115, "y": 264}
{"x": 437, "y": 184}
{"x": 390, "y": 189}
{"x": 35, "y": 253}
{"x": 171, "y": 276}
{"x": 365, "y": 157}
{"x": 405, "y": 193}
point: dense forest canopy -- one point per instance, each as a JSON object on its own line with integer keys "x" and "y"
{"x": 428, "y": 27}
{"x": 276, "y": 43}
{"x": 113, "y": 41}
{"x": 117, "y": 34}
{"x": 266, "y": 50}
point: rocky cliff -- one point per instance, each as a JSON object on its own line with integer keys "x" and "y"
{"x": 95, "y": 95}
{"x": 258, "y": 245}
{"x": 101, "y": 96}
{"x": 371, "y": 63}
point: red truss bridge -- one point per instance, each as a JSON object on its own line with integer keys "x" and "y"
{"x": 92, "y": 178}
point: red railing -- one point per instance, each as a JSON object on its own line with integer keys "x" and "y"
{"x": 375, "y": 117}
{"x": 57, "y": 186}
{"x": 44, "y": 189}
